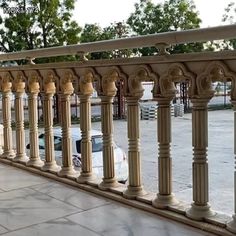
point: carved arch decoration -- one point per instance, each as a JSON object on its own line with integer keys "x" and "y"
{"x": 107, "y": 83}
{"x": 49, "y": 81}
{"x": 6, "y": 82}
{"x": 176, "y": 73}
{"x": 87, "y": 76}
{"x": 33, "y": 81}
{"x": 215, "y": 72}
{"x": 141, "y": 74}
{"x": 66, "y": 80}
{"x": 19, "y": 81}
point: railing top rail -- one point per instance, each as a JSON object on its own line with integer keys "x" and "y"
{"x": 169, "y": 38}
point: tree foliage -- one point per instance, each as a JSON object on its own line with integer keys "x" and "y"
{"x": 30, "y": 24}
{"x": 172, "y": 15}
{"x": 229, "y": 18}
{"x": 93, "y": 32}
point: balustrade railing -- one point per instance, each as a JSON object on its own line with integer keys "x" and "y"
{"x": 200, "y": 70}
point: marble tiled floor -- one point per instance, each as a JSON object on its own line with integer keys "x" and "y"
{"x": 32, "y": 205}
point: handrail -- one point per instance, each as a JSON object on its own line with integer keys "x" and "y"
{"x": 169, "y": 38}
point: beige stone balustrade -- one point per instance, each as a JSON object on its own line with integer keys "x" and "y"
{"x": 200, "y": 71}
{"x": 6, "y": 88}
{"x": 84, "y": 89}
{"x": 33, "y": 91}
{"x": 49, "y": 89}
{"x": 18, "y": 90}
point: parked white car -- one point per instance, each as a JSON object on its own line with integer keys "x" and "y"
{"x": 121, "y": 165}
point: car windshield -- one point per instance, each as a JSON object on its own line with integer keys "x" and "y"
{"x": 96, "y": 144}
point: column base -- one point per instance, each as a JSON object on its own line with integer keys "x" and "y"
{"x": 8, "y": 155}
{"x": 164, "y": 201}
{"x": 67, "y": 172}
{"x": 51, "y": 167}
{"x": 108, "y": 183}
{"x": 231, "y": 226}
{"x": 86, "y": 177}
{"x": 199, "y": 212}
{"x": 22, "y": 158}
{"x": 35, "y": 162}
{"x": 132, "y": 192}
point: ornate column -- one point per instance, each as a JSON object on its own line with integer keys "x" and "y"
{"x": 134, "y": 188}
{"x": 19, "y": 89}
{"x": 107, "y": 94}
{"x": 49, "y": 91}
{"x": 165, "y": 196}
{"x": 84, "y": 93}
{"x": 6, "y": 113}
{"x": 200, "y": 208}
{"x": 33, "y": 86}
{"x": 66, "y": 91}
{"x": 231, "y": 226}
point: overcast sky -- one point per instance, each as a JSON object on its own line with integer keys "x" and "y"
{"x": 105, "y": 12}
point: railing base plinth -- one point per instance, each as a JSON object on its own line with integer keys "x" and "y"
{"x": 84, "y": 178}
{"x": 164, "y": 201}
{"x": 108, "y": 183}
{"x": 22, "y": 158}
{"x": 36, "y": 162}
{"x": 67, "y": 171}
{"x": 132, "y": 192}
{"x": 199, "y": 212}
{"x": 51, "y": 167}
{"x": 231, "y": 226}
{"x": 8, "y": 155}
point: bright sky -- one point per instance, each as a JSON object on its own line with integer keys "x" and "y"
{"x": 105, "y": 12}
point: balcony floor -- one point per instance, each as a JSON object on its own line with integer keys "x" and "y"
{"x": 33, "y": 205}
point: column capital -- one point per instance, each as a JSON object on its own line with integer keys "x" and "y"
{"x": 200, "y": 102}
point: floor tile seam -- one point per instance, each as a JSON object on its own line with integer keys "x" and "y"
{"x": 8, "y": 230}
{"x": 57, "y": 199}
{"x": 85, "y": 227}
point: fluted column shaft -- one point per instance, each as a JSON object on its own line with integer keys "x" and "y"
{"x": 135, "y": 187}
{"x": 165, "y": 197}
{"x": 20, "y": 133}
{"x": 200, "y": 208}
{"x": 67, "y": 167}
{"x": 86, "y": 145}
{"x": 33, "y": 131}
{"x": 7, "y": 130}
{"x": 231, "y": 226}
{"x": 109, "y": 179}
{"x": 50, "y": 163}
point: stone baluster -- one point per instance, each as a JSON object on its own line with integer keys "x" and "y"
{"x": 165, "y": 196}
{"x": 6, "y": 113}
{"x": 108, "y": 92}
{"x": 19, "y": 89}
{"x": 135, "y": 92}
{"x": 49, "y": 91}
{"x": 34, "y": 160}
{"x": 85, "y": 92}
{"x": 231, "y": 226}
{"x": 200, "y": 208}
{"x": 66, "y": 91}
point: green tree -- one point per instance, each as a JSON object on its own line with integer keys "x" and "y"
{"x": 172, "y": 15}
{"x": 229, "y": 18}
{"x": 30, "y": 24}
{"x": 93, "y": 32}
